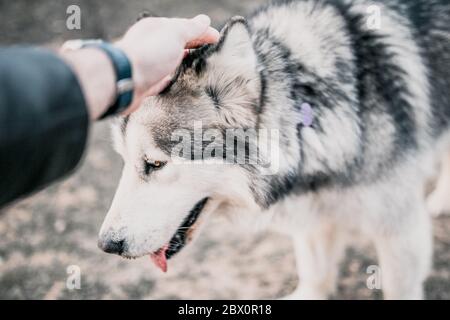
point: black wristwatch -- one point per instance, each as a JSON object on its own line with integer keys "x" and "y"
{"x": 122, "y": 68}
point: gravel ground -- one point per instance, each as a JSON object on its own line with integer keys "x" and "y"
{"x": 45, "y": 234}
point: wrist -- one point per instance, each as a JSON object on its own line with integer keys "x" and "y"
{"x": 124, "y": 86}
{"x": 95, "y": 73}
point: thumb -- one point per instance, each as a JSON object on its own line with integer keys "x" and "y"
{"x": 196, "y": 27}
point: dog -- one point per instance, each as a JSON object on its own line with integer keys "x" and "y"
{"x": 355, "y": 118}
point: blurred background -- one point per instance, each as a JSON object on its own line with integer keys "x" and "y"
{"x": 40, "y": 237}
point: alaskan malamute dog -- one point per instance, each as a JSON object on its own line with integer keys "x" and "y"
{"x": 362, "y": 111}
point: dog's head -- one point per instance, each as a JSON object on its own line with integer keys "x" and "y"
{"x": 164, "y": 191}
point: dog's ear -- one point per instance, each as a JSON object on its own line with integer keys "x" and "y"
{"x": 235, "y": 48}
{"x": 235, "y": 37}
{"x": 232, "y": 76}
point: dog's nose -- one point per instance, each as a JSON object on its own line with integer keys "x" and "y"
{"x": 112, "y": 246}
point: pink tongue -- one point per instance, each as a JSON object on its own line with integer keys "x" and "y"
{"x": 159, "y": 258}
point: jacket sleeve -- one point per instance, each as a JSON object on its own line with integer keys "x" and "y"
{"x": 43, "y": 121}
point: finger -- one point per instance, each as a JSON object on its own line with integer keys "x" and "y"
{"x": 210, "y": 36}
{"x": 134, "y": 106}
{"x": 153, "y": 91}
{"x": 159, "y": 86}
{"x": 195, "y": 27}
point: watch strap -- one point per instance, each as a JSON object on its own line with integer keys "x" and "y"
{"x": 123, "y": 72}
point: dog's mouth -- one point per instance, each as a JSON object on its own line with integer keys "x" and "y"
{"x": 182, "y": 236}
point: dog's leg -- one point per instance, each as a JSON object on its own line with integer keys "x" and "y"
{"x": 317, "y": 256}
{"x": 405, "y": 256}
{"x": 438, "y": 201}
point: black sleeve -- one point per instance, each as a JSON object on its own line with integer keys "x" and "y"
{"x": 43, "y": 121}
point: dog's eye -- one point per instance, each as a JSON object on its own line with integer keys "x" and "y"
{"x": 150, "y": 165}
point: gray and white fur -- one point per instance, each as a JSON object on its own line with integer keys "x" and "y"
{"x": 380, "y": 99}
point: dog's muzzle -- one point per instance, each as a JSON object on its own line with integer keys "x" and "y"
{"x": 180, "y": 238}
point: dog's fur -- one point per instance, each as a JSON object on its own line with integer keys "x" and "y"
{"x": 381, "y": 106}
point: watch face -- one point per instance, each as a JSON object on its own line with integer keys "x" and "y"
{"x": 77, "y": 44}
{"x": 72, "y": 45}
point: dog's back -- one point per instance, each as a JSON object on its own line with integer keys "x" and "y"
{"x": 379, "y": 91}
{"x": 431, "y": 20}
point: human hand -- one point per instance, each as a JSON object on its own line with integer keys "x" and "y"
{"x": 156, "y": 46}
